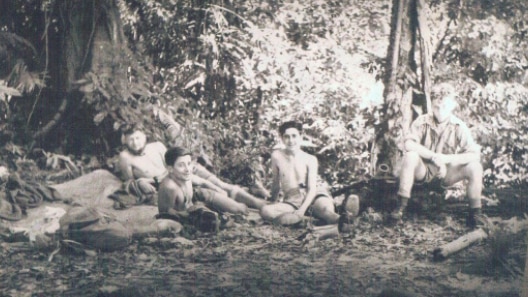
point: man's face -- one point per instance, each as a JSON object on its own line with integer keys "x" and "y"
{"x": 182, "y": 168}
{"x": 136, "y": 141}
{"x": 442, "y": 109}
{"x": 292, "y": 139}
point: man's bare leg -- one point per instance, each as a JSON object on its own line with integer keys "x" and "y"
{"x": 324, "y": 208}
{"x": 234, "y": 191}
{"x": 271, "y": 212}
{"x": 221, "y": 202}
{"x": 473, "y": 173}
{"x": 413, "y": 169}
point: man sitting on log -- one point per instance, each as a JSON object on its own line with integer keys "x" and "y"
{"x": 440, "y": 146}
{"x": 295, "y": 173}
{"x": 178, "y": 198}
{"x": 142, "y": 167}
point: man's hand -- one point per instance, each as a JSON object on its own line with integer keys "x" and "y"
{"x": 145, "y": 186}
{"x": 442, "y": 171}
{"x": 440, "y": 161}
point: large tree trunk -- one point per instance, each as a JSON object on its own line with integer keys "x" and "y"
{"x": 90, "y": 46}
{"x": 402, "y": 85}
{"x": 94, "y": 80}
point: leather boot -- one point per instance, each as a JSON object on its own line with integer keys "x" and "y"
{"x": 397, "y": 214}
{"x": 474, "y": 218}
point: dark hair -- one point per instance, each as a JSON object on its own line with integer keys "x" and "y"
{"x": 290, "y": 124}
{"x": 128, "y": 129}
{"x": 172, "y": 154}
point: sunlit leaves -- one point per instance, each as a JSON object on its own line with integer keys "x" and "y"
{"x": 8, "y": 92}
{"x": 498, "y": 115}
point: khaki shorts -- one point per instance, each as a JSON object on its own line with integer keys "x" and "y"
{"x": 431, "y": 176}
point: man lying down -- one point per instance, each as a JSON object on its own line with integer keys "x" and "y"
{"x": 143, "y": 167}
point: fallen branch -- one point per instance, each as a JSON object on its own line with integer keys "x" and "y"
{"x": 448, "y": 249}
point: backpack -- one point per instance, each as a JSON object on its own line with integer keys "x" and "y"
{"x": 94, "y": 228}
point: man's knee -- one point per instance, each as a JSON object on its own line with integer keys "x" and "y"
{"x": 267, "y": 212}
{"x": 241, "y": 209}
{"x": 474, "y": 170}
{"x": 323, "y": 205}
{"x": 411, "y": 158}
{"x": 410, "y": 161}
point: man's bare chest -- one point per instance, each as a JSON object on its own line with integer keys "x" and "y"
{"x": 293, "y": 171}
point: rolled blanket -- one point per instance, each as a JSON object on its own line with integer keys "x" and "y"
{"x": 19, "y": 195}
{"x": 8, "y": 210}
{"x": 130, "y": 194}
{"x": 29, "y": 194}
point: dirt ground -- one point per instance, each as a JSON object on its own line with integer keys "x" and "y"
{"x": 256, "y": 259}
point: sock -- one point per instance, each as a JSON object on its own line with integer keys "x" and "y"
{"x": 402, "y": 202}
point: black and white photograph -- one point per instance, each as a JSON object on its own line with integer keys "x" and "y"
{"x": 290, "y": 148}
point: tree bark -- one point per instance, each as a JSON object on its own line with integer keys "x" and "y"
{"x": 425, "y": 53}
{"x": 459, "y": 244}
{"x": 408, "y": 20}
{"x": 90, "y": 40}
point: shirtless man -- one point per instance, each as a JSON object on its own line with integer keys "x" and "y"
{"x": 295, "y": 173}
{"x": 141, "y": 162}
{"x": 142, "y": 166}
{"x": 178, "y": 197}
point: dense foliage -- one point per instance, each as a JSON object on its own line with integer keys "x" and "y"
{"x": 231, "y": 71}
{"x": 321, "y": 62}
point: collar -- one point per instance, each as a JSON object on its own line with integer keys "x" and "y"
{"x": 430, "y": 120}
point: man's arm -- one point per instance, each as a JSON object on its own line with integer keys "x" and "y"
{"x": 275, "y": 184}
{"x": 416, "y": 132}
{"x": 161, "y": 149}
{"x": 457, "y": 159}
{"x": 124, "y": 166}
{"x": 470, "y": 150}
{"x": 311, "y": 187}
{"x": 412, "y": 146}
{"x": 198, "y": 181}
{"x": 437, "y": 158}
{"x": 170, "y": 199}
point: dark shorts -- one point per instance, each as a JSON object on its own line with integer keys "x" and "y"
{"x": 295, "y": 197}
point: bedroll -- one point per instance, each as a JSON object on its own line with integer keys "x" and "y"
{"x": 94, "y": 228}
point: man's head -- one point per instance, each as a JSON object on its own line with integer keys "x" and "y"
{"x": 290, "y": 133}
{"x": 443, "y": 101}
{"x": 179, "y": 161}
{"x": 134, "y": 138}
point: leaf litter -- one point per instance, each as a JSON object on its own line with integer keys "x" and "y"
{"x": 257, "y": 259}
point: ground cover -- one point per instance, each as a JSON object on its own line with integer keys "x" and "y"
{"x": 256, "y": 259}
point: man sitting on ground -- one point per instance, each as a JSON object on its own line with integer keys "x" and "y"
{"x": 141, "y": 163}
{"x": 179, "y": 199}
{"x": 295, "y": 174}
{"x": 142, "y": 167}
{"x": 440, "y": 146}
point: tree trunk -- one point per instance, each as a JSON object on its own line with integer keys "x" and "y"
{"x": 90, "y": 46}
{"x": 402, "y": 83}
{"x": 426, "y": 53}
